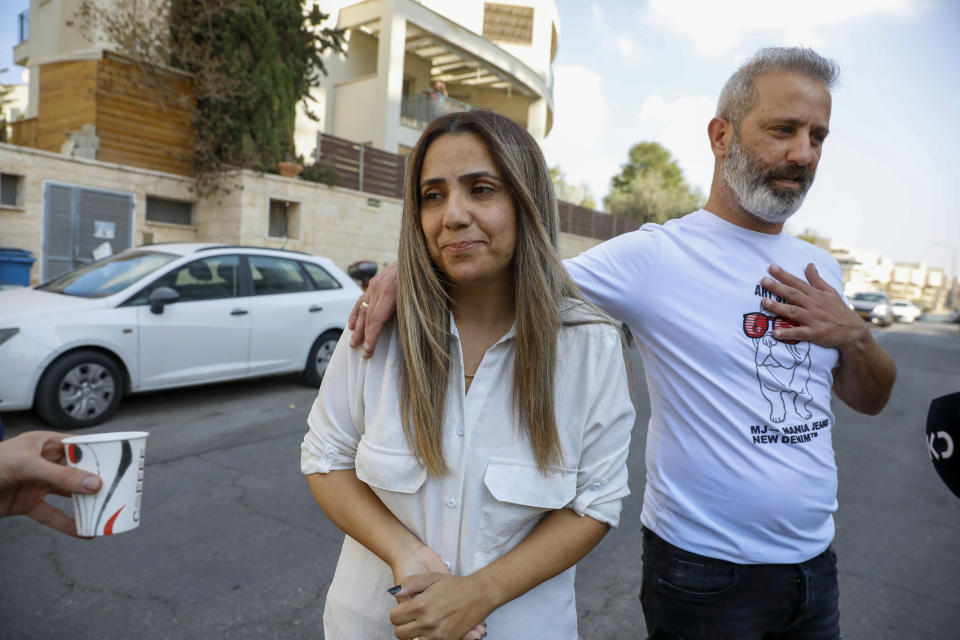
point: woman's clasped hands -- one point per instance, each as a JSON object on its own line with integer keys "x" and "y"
{"x": 434, "y": 605}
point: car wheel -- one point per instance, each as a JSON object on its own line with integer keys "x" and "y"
{"x": 319, "y": 358}
{"x": 81, "y": 389}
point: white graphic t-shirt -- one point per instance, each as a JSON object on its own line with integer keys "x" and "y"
{"x": 740, "y": 463}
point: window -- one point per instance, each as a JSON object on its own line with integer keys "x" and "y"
{"x": 169, "y": 211}
{"x": 508, "y": 23}
{"x": 320, "y": 277}
{"x": 108, "y": 276}
{"x": 277, "y": 275}
{"x": 211, "y": 278}
{"x": 284, "y": 219}
{"x": 11, "y": 190}
{"x": 23, "y": 21}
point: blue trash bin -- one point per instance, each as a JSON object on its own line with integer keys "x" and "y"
{"x": 15, "y": 266}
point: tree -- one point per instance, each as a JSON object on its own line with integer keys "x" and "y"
{"x": 567, "y": 192}
{"x": 252, "y": 62}
{"x": 815, "y": 238}
{"x": 651, "y": 187}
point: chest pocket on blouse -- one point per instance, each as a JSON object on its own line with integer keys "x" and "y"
{"x": 518, "y": 497}
{"x": 388, "y": 469}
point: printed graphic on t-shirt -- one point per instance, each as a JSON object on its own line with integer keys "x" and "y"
{"x": 783, "y": 375}
{"x": 783, "y": 366}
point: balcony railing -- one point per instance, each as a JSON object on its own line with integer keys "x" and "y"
{"x": 420, "y": 109}
{"x": 360, "y": 167}
{"x": 23, "y": 21}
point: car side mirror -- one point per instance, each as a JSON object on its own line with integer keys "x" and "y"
{"x": 160, "y": 297}
{"x": 362, "y": 271}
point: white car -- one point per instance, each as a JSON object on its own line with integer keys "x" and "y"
{"x": 904, "y": 311}
{"x": 167, "y": 315}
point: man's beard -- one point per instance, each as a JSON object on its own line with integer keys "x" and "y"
{"x": 753, "y": 184}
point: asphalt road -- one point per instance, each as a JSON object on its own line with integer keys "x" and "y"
{"x": 232, "y": 545}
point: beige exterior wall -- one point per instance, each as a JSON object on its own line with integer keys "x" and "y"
{"x": 22, "y": 227}
{"x": 359, "y": 60}
{"x": 355, "y": 107}
{"x": 572, "y": 245}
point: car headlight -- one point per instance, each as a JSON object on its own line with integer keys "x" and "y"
{"x": 880, "y": 308}
{"x": 6, "y": 334}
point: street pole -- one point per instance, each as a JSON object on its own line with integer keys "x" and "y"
{"x": 952, "y": 302}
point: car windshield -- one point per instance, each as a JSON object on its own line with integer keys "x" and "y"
{"x": 869, "y": 297}
{"x": 107, "y": 276}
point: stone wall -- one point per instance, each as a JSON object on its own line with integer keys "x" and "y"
{"x": 21, "y": 227}
{"x": 341, "y": 224}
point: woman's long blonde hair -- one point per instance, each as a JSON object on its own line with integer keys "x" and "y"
{"x": 541, "y": 285}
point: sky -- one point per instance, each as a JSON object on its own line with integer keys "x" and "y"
{"x": 626, "y": 72}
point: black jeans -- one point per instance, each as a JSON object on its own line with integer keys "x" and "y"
{"x": 687, "y": 596}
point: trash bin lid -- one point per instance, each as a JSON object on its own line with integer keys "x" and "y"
{"x": 15, "y": 253}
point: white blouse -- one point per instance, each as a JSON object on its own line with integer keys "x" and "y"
{"x": 495, "y": 494}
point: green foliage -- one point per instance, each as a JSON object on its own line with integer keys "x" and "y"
{"x": 651, "y": 187}
{"x": 322, "y": 173}
{"x": 251, "y": 61}
{"x": 5, "y": 91}
{"x": 567, "y": 192}
{"x": 815, "y": 238}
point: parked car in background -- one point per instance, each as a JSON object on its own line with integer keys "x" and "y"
{"x": 167, "y": 315}
{"x": 904, "y": 311}
{"x": 873, "y": 307}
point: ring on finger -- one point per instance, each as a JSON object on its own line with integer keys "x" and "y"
{"x": 363, "y": 305}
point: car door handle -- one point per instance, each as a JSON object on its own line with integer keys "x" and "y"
{"x": 239, "y": 312}
{"x": 314, "y": 308}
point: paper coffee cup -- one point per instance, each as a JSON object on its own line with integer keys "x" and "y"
{"x": 118, "y": 459}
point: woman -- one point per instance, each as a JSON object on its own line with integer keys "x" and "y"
{"x": 481, "y": 451}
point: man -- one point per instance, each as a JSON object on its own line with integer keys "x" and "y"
{"x": 740, "y": 357}
{"x": 32, "y": 465}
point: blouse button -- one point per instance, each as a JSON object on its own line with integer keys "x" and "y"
{"x": 460, "y": 431}
{"x": 597, "y": 485}
{"x": 330, "y": 452}
{"x": 451, "y": 503}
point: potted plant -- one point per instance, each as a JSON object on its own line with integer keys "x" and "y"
{"x": 290, "y": 168}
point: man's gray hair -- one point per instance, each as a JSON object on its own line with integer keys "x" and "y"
{"x": 739, "y": 94}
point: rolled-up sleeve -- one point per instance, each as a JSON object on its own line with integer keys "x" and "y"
{"x": 336, "y": 418}
{"x": 602, "y": 473}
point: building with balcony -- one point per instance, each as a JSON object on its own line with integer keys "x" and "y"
{"x": 103, "y": 158}
{"x": 866, "y": 271}
{"x": 377, "y": 93}
{"x": 488, "y": 55}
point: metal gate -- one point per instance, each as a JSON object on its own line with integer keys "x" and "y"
{"x": 77, "y": 220}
